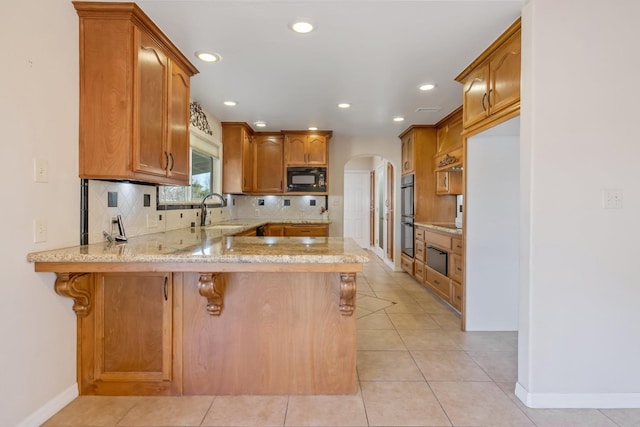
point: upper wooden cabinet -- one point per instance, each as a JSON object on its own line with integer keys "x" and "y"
{"x": 268, "y": 168}
{"x": 407, "y": 152}
{"x": 134, "y": 97}
{"x": 237, "y": 158}
{"x": 302, "y": 148}
{"x": 449, "y": 132}
{"x": 491, "y": 84}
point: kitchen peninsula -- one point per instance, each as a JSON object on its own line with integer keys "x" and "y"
{"x": 200, "y": 311}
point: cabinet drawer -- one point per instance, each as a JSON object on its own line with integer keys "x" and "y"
{"x": 456, "y": 295}
{"x": 306, "y": 230}
{"x": 407, "y": 265}
{"x": 419, "y": 233}
{"x": 455, "y": 267}
{"x": 419, "y": 253}
{"x": 456, "y": 245}
{"x": 419, "y": 270}
{"x": 437, "y": 239}
{"x": 439, "y": 283}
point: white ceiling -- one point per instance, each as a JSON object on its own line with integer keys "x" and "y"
{"x": 372, "y": 54}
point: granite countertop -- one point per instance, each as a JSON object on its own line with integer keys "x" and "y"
{"x": 213, "y": 244}
{"x": 442, "y": 227}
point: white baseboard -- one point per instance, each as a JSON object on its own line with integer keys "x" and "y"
{"x": 577, "y": 400}
{"x": 50, "y": 408}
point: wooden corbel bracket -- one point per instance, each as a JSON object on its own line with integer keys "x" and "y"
{"x": 77, "y": 287}
{"x": 347, "y": 293}
{"x": 212, "y": 287}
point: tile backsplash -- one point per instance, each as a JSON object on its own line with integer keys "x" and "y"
{"x": 140, "y": 219}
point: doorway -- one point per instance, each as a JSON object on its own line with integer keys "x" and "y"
{"x": 369, "y": 205}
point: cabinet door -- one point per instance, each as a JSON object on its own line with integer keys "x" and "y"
{"x": 274, "y": 230}
{"x": 149, "y": 142}
{"x": 178, "y": 146}
{"x": 316, "y": 150}
{"x": 295, "y": 152}
{"x": 474, "y": 96}
{"x": 132, "y": 346}
{"x": 407, "y": 154}
{"x": 449, "y": 182}
{"x": 269, "y": 152}
{"x": 455, "y": 267}
{"x": 505, "y": 75}
{"x": 247, "y": 162}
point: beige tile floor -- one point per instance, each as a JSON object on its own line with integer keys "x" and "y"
{"x": 415, "y": 368}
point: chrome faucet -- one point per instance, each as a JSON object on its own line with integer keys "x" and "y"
{"x": 203, "y": 206}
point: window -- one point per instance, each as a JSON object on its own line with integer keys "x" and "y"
{"x": 205, "y": 173}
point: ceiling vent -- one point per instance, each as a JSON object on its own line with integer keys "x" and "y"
{"x": 427, "y": 109}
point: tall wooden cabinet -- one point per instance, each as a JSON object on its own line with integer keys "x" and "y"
{"x": 237, "y": 158}
{"x": 121, "y": 357}
{"x": 491, "y": 84}
{"x": 134, "y": 97}
{"x": 268, "y": 169}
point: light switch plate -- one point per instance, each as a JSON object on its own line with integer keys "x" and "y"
{"x": 612, "y": 198}
{"x": 40, "y": 170}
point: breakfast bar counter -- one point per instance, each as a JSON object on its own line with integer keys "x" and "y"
{"x": 199, "y": 311}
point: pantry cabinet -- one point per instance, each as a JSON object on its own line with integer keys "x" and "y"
{"x": 134, "y": 97}
{"x": 119, "y": 357}
{"x": 491, "y": 84}
{"x": 306, "y": 148}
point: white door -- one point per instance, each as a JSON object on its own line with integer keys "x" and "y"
{"x": 380, "y": 209}
{"x": 356, "y": 206}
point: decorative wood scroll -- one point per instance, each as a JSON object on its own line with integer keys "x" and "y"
{"x": 75, "y": 286}
{"x": 212, "y": 286}
{"x": 447, "y": 160}
{"x": 347, "y": 293}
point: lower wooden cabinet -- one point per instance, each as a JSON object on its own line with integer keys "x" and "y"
{"x": 118, "y": 356}
{"x": 456, "y": 295}
{"x": 406, "y": 264}
{"x": 274, "y": 230}
{"x": 419, "y": 270}
{"x": 439, "y": 283}
{"x": 313, "y": 230}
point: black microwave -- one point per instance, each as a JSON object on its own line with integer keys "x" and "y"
{"x": 306, "y": 180}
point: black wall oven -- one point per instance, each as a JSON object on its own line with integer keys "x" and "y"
{"x": 437, "y": 260}
{"x": 406, "y": 226}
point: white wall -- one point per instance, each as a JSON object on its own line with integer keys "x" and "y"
{"x": 492, "y": 229}
{"x": 39, "y": 118}
{"x": 579, "y": 328}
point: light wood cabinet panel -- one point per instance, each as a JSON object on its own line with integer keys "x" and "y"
{"x": 306, "y": 149}
{"x": 457, "y": 245}
{"x": 449, "y": 182}
{"x": 178, "y": 144}
{"x": 133, "y": 109}
{"x": 268, "y": 167}
{"x": 419, "y": 270}
{"x": 438, "y": 283}
{"x": 455, "y": 267}
{"x": 456, "y": 295}
{"x": 274, "y": 230}
{"x": 237, "y": 158}
{"x": 449, "y": 132}
{"x": 118, "y": 356}
{"x": 505, "y": 75}
{"x": 313, "y": 230}
{"x": 437, "y": 239}
{"x": 406, "y": 264}
{"x": 491, "y": 84}
{"x": 407, "y": 153}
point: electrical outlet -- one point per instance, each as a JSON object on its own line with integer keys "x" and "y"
{"x": 40, "y": 170}
{"x": 257, "y": 212}
{"x": 39, "y": 231}
{"x": 612, "y": 198}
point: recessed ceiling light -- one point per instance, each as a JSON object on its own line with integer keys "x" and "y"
{"x": 398, "y": 119}
{"x": 427, "y": 86}
{"x": 208, "y": 56}
{"x": 230, "y": 103}
{"x": 302, "y": 27}
{"x": 313, "y": 128}
{"x": 344, "y": 105}
{"x": 260, "y": 124}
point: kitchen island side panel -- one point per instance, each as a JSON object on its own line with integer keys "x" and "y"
{"x": 278, "y": 333}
